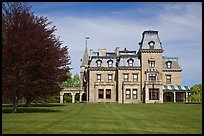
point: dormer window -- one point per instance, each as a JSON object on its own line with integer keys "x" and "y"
{"x": 151, "y": 44}
{"x": 110, "y": 63}
{"x": 130, "y": 62}
{"x": 98, "y": 63}
{"x": 168, "y": 64}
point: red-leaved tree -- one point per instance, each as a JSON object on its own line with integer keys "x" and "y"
{"x": 33, "y": 61}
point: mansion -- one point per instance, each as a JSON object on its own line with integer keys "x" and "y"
{"x": 130, "y": 76}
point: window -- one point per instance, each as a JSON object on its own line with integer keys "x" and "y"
{"x": 110, "y": 77}
{"x": 152, "y": 77}
{"x": 127, "y": 93}
{"x": 100, "y": 93}
{"x": 168, "y": 64}
{"x": 110, "y": 63}
{"x": 168, "y": 79}
{"x": 130, "y": 62}
{"x": 135, "y": 77}
{"x": 151, "y": 64}
{"x": 98, "y": 63}
{"x": 108, "y": 93}
{"x": 98, "y": 77}
{"x": 126, "y": 77}
{"x": 134, "y": 93}
{"x": 153, "y": 94}
{"x": 151, "y": 45}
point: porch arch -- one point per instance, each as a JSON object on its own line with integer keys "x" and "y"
{"x": 168, "y": 97}
{"x": 73, "y": 92}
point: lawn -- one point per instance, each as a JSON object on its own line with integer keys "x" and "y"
{"x": 101, "y": 118}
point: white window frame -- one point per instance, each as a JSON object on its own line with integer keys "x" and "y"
{"x": 126, "y": 77}
{"x": 130, "y": 62}
{"x": 168, "y": 79}
{"x": 98, "y": 63}
{"x": 110, "y": 77}
{"x": 110, "y": 63}
{"x": 135, "y": 77}
{"x": 98, "y": 77}
{"x": 134, "y": 93}
{"x": 108, "y": 94}
{"x": 151, "y": 44}
{"x": 168, "y": 64}
{"x": 128, "y": 93}
{"x": 152, "y": 75}
{"x": 151, "y": 63}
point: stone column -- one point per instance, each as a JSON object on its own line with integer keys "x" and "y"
{"x": 186, "y": 96}
{"x": 80, "y": 97}
{"x": 73, "y": 98}
{"x": 61, "y": 98}
{"x": 174, "y": 96}
{"x": 146, "y": 94}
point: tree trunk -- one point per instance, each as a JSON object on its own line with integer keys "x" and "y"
{"x": 28, "y": 102}
{"x": 15, "y": 104}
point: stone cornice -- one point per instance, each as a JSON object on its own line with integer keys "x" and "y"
{"x": 129, "y": 68}
{"x": 131, "y": 83}
{"x": 104, "y": 83}
{"x": 171, "y": 70}
{"x": 102, "y": 68}
{"x": 151, "y": 50}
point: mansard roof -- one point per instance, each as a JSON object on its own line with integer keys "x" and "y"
{"x": 148, "y": 37}
{"x": 122, "y": 59}
{"x": 104, "y": 61}
{"x": 127, "y": 51}
{"x": 173, "y": 60}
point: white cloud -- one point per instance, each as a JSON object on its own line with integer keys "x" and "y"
{"x": 179, "y": 26}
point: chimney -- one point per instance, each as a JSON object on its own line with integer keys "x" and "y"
{"x": 91, "y": 50}
{"x": 117, "y": 51}
{"x": 102, "y": 52}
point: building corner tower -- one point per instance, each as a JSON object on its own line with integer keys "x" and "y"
{"x": 150, "y": 55}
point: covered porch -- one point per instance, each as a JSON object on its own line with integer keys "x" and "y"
{"x": 175, "y": 93}
{"x": 73, "y": 91}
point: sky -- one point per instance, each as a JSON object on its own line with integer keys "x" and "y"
{"x": 121, "y": 24}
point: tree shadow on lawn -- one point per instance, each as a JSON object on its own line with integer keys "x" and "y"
{"x": 35, "y": 105}
{"x": 7, "y": 108}
{"x": 29, "y": 110}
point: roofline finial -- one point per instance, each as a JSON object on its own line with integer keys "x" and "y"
{"x": 87, "y": 37}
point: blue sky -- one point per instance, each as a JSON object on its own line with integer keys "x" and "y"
{"x": 120, "y": 24}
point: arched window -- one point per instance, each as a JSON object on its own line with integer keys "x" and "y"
{"x": 151, "y": 44}
{"x": 98, "y": 63}
{"x": 110, "y": 63}
{"x": 130, "y": 62}
{"x": 168, "y": 64}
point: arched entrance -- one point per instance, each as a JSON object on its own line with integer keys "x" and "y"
{"x": 67, "y": 98}
{"x": 76, "y": 93}
{"x": 168, "y": 97}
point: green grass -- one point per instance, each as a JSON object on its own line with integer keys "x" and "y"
{"x": 86, "y": 118}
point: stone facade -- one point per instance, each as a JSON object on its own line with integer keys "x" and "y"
{"x": 132, "y": 77}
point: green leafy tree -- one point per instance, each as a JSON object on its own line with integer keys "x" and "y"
{"x": 54, "y": 98}
{"x": 196, "y": 93}
{"x": 71, "y": 82}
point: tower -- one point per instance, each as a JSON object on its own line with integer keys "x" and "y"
{"x": 150, "y": 55}
{"x": 83, "y": 69}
